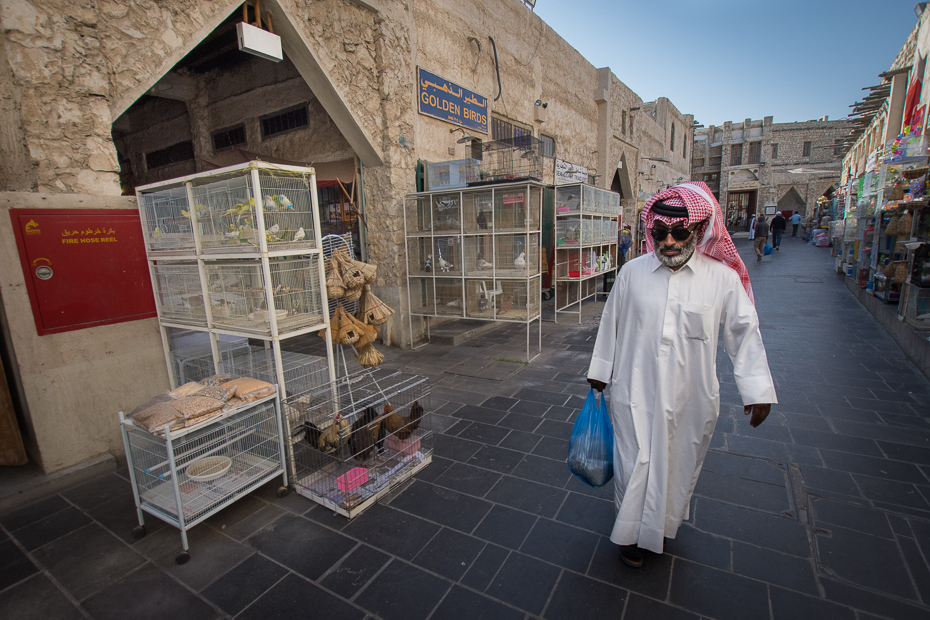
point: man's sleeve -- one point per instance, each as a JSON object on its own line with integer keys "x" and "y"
{"x": 605, "y": 346}
{"x": 743, "y": 342}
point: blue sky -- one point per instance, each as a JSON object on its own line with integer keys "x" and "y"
{"x": 726, "y": 60}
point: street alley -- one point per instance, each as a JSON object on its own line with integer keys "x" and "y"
{"x": 822, "y": 512}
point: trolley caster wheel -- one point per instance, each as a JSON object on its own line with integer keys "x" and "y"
{"x": 182, "y": 558}
{"x": 138, "y": 532}
{"x": 283, "y": 491}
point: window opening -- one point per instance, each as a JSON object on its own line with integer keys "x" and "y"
{"x": 182, "y": 151}
{"x": 226, "y": 139}
{"x": 807, "y": 150}
{"x": 285, "y": 120}
{"x": 736, "y": 155}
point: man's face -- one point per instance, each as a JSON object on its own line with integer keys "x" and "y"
{"x": 673, "y": 252}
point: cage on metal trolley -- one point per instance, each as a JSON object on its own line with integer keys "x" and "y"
{"x": 183, "y": 477}
{"x": 350, "y": 442}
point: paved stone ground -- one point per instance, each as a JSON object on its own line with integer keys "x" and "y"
{"x": 824, "y": 511}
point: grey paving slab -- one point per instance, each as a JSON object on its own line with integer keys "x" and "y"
{"x": 449, "y": 554}
{"x": 651, "y": 580}
{"x": 579, "y": 598}
{"x": 843, "y": 550}
{"x": 485, "y": 567}
{"x": 148, "y": 593}
{"x": 239, "y": 587}
{"x": 403, "y": 592}
{"x": 294, "y": 597}
{"x": 717, "y": 594}
{"x": 37, "y": 598}
{"x": 277, "y": 541}
{"x": 640, "y": 608}
{"x": 524, "y": 582}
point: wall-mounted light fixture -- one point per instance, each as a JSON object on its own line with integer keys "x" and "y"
{"x": 465, "y": 137}
{"x": 539, "y": 102}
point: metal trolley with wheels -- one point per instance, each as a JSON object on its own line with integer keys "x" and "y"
{"x": 187, "y": 475}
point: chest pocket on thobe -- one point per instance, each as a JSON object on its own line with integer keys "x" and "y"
{"x": 697, "y": 321}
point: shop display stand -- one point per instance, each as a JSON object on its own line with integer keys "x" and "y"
{"x": 914, "y": 307}
{"x": 235, "y": 255}
{"x": 586, "y": 228}
{"x": 248, "y": 442}
{"x": 475, "y": 253}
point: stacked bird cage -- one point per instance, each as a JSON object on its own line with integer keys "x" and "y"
{"x": 516, "y": 255}
{"x": 351, "y": 441}
{"x": 166, "y": 223}
{"x": 231, "y": 218}
{"x": 178, "y": 293}
{"x": 239, "y": 295}
{"x": 510, "y": 160}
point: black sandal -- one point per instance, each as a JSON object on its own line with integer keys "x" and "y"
{"x": 632, "y": 556}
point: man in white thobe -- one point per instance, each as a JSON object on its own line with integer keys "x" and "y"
{"x": 656, "y": 349}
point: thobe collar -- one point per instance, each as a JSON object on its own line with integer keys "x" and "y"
{"x": 691, "y": 264}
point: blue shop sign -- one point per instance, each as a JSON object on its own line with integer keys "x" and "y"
{"x": 450, "y": 102}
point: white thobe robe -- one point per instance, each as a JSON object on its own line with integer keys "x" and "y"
{"x": 656, "y": 349}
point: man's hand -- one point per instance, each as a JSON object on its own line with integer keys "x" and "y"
{"x": 759, "y": 412}
{"x": 597, "y": 385}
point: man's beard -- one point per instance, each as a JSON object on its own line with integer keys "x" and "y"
{"x": 681, "y": 258}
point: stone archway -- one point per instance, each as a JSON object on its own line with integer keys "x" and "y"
{"x": 621, "y": 179}
{"x": 792, "y": 201}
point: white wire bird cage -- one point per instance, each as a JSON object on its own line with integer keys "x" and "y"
{"x": 186, "y": 476}
{"x": 178, "y": 293}
{"x": 352, "y": 441}
{"x": 239, "y": 294}
{"x": 166, "y": 222}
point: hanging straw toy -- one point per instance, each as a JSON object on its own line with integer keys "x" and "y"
{"x": 335, "y": 287}
{"x": 372, "y": 310}
{"x": 368, "y": 333}
{"x": 351, "y": 275}
{"x": 369, "y": 272}
{"x": 368, "y": 356}
{"x": 348, "y": 332}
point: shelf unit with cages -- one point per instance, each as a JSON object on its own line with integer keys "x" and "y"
{"x": 236, "y": 254}
{"x": 587, "y": 223}
{"x": 474, "y": 253}
{"x": 351, "y": 442}
{"x": 183, "y": 477}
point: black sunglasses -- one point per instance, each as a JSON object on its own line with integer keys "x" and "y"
{"x": 678, "y": 234}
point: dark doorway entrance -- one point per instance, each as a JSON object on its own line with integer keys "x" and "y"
{"x": 741, "y": 207}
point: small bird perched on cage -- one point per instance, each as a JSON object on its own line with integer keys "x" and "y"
{"x": 400, "y": 426}
{"x": 483, "y": 264}
{"x": 300, "y": 234}
{"x": 268, "y": 203}
{"x": 284, "y": 202}
{"x": 273, "y": 230}
{"x": 520, "y": 261}
{"x": 444, "y": 265}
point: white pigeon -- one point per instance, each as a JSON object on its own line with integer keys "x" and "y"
{"x": 520, "y": 261}
{"x": 273, "y": 230}
{"x": 269, "y": 203}
{"x": 284, "y": 202}
{"x": 233, "y": 234}
{"x": 444, "y": 265}
{"x": 483, "y": 264}
{"x": 300, "y": 234}
{"x": 455, "y": 304}
{"x": 428, "y": 265}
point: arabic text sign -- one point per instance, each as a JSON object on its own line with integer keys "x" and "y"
{"x": 567, "y": 173}
{"x": 450, "y": 102}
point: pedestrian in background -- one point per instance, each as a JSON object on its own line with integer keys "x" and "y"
{"x": 778, "y": 227}
{"x": 762, "y": 236}
{"x": 752, "y": 228}
{"x": 656, "y": 348}
{"x": 795, "y": 222}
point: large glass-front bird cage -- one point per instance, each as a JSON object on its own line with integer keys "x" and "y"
{"x": 235, "y": 256}
{"x": 511, "y": 159}
{"x": 475, "y": 253}
{"x": 587, "y": 222}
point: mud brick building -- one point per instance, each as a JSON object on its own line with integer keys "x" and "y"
{"x": 758, "y": 164}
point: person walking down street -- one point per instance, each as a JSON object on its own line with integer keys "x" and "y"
{"x": 752, "y": 228}
{"x": 762, "y": 236}
{"x": 778, "y": 227}
{"x": 795, "y": 222}
{"x": 656, "y": 349}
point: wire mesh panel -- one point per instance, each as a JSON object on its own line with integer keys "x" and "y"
{"x": 516, "y": 255}
{"x": 228, "y": 216}
{"x": 519, "y": 300}
{"x": 446, "y": 257}
{"x": 477, "y": 211}
{"x": 351, "y": 441}
{"x": 478, "y": 259}
{"x": 446, "y": 212}
{"x": 178, "y": 293}
{"x": 482, "y": 297}
{"x": 422, "y": 296}
{"x": 238, "y": 298}
{"x": 449, "y": 300}
{"x": 418, "y": 216}
{"x": 191, "y": 355}
{"x": 214, "y": 465}
{"x": 166, "y": 223}
{"x": 419, "y": 255}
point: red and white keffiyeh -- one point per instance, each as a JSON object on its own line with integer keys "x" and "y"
{"x": 713, "y": 239}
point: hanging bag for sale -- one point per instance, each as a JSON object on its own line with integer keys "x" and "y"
{"x": 591, "y": 447}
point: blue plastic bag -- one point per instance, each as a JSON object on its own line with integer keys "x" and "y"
{"x": 767, "y": 249}
{"x": 591, "y": 447}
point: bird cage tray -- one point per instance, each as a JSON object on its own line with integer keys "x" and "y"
{"x": 351, "y": 441}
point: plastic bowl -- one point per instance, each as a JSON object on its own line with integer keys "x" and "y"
{"x": 208, "y": 468}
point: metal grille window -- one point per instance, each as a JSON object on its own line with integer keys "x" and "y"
{"x": 504, "y": 130}
{"x": 285, "y": 120}
{"x": 774, "y": 151}
{"x": 546, "y": 145}
{"x": 736, "y": 155}
{"x": 755, "y": 152}
{"x": 182, "y": 151}
{"x": 807, "y": 150}
{"x": 711, "y": 178}
{"x": 226, "y": 139}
